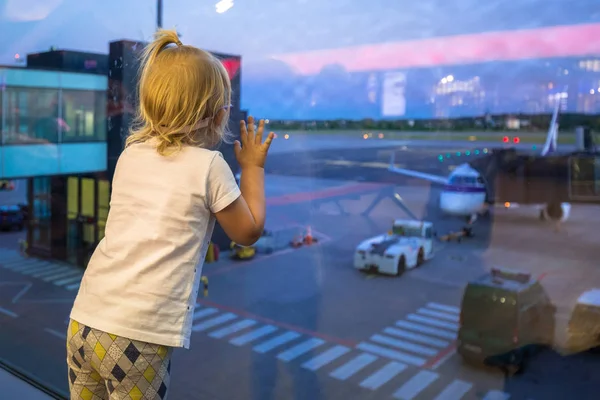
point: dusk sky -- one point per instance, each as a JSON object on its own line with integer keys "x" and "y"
{"x": 260, "y": 29}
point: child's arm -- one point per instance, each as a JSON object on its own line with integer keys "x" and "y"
{"x": 244, "y": 219}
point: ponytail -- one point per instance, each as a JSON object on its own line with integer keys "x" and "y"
{"x": 162, "y": 38}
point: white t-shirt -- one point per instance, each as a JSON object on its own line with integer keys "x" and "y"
{"x": 142, "y": 280}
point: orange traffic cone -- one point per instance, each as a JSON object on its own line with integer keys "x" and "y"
{"x": 308, "y": 238}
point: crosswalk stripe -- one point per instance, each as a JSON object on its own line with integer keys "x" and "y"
{"x": 426, "y": 329}
{"x": 431, "y": 321}
{"x": 276, "y": 341}
{"x": 300, "y": 349}
{"x": 444, "y": 307}
{"x": 253, "y": 335}
{"x": 233, "y": 328}
{"x": 205, "y": 312}
{"x": 11, "y": 258}
{"x": 438, "y": 314}
{"x": 73, "y": 286}
{"x": 33, "y": 265}
{"x": 414, "y": 348}
{"x": 20, "y": 263}
{"x": 496, "y": 395}
{"x": 62, "y": 274}
{"x": 383, "y": 375}
{"x": 415, "y": 385}
{"x": 325, "y": 358}
{"x": 416, "y": 337}
{"x": 221, "y": 319}
{"x": 68, "y": 280}
{"x": 50, "y": 271}
{"x": 393, "y": 354}
{"x": 454, "y": 391}
{"x": 353, "y": 366}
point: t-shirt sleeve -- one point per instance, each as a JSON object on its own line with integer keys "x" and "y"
{"x": 221, "y": 187}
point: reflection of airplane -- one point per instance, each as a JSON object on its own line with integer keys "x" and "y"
{"x": 465, "y": 192}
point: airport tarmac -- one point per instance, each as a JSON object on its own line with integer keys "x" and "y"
{"x": 304, "y": 324}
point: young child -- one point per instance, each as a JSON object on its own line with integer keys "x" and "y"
{"x": 137, "y": 296}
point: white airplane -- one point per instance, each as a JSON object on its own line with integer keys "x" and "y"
{"x": 464, "y": 192}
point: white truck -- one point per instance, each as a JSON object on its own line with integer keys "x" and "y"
{"x": 408, "y": 245}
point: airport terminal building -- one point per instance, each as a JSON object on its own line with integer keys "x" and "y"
{"x": 64, "y": 118}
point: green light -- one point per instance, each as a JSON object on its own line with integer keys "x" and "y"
{"x": 485, "y": 150}
{"x": 447, "y": 155}
{"x": 534, "y": 147}
{"x": 476, "y": 151}
{"x": 441, "y": 157}
{"x": 458, "y": 153}
{"x": 468, "y": 153}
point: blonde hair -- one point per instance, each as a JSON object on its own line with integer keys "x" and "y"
{"x": 182, "y": 91}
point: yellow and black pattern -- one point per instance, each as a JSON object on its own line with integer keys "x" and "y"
{"x": 103, "y": 366}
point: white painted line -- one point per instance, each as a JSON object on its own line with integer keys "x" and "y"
{"x": 253, "y": 335}
{"x": 8, "y": 312}
{"x": 416, "y": 337}
{"x": 415, "y": 385}
{"x": 442, "y": 360}
{"x": 300, "y": 349}
{"x": 14, "y": 265}
{"x": 56, "y": 333}
{"x": 433, "y": 322}
{"x": 454, "y": 391}
{"x": 444, "y": 307}
{"x": 383, "y": 375}
{"x": 69, "y": 280}
{"x": 353, "y": 366}
{"x": 496, "y": 395}
{"x": 73, "y": 286}
{"x": 10, "y": 259}
{"x": 438, "y": 314}
{"x": 61, "y": 274}
{"x": 221, "y": 319}
{"x": 51, "y": 270}
{"x": 325, "y": 357}
{"x": 426, "y": 329}
{"x": 276, "y": 341}
{"x": 413, "y": 348}
{"x": 393, "y": 354}
{"x": 204, "y": 313}
{"x": 233, "y": 328}
{"x": 32, "y": 267}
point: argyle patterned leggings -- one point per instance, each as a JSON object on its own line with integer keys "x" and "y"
{"x": 108, "y": 367}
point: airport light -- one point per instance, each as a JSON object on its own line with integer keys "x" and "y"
{"x": 468, "y": 153}
{"x": 441, "y": 158}
{"x": 505, "y": 139}
{"x": 458, "y": 153}
{"x": 516, "y": 140}
{"x": 476, "y": 151}
{"x": 485, "y": 151}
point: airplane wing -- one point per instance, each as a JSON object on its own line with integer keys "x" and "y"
{"x": 416, "y": 174}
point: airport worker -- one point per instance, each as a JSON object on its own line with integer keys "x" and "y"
{"x": 139, "y": 291}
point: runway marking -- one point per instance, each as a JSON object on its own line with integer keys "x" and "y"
{"x": 496, "y": 395}
{"x": 213, "y": 322}
{"x": 431, "y": 321}
{"x": 51, "y": 270}
{"x": 444, "y": 307}
{"x": 325, "y": 193}
{"x": 383, "y": 375}
{"x": 416, "y": 337}
{"x": 325, "y": 357}
{"x": 415, "y": 385}
{"x": 414, "y": 348}
{"x": 454, "y": 391}
{"x": 233, "y": 328}
{"x": 438, "y": 314}
{"x": 392, "y": 354}
{"x": 353, "y": 366}
{"x": 204, "y": 313}
{"x": 250, "y": 336}
{"x": 8, "y": 313}
{"x": 276, "y": 341}
{"x": 300, "y": 349}
{"x": 426, "y": 329}
{"x": 328, "y": 338}
{"x": 60, "y": 335}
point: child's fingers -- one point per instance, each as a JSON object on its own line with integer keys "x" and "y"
{"x": 251, "y": 129}
{"x": 269, "y": 140}
{"x": 243, "y": 132}
{"x": 259, "y": 132}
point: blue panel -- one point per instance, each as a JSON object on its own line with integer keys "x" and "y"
{"x": 51, "y": 159}
{"x": 82, "y": 157}
{"x": 52, "y": 79}
{"x": 30, "y": 160}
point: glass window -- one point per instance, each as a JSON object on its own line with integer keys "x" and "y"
{"x": 83, "y": 115}
{"x": 31, "y": 116}
{"x": 41, "y": 221}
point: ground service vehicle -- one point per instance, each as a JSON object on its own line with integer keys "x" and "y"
{"x": 239, "y": 252}
{"x": 408, "y": 245}
{"x": 506, "y": 316}
{"x": 583, "y": 330}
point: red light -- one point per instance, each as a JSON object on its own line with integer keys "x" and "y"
{"x": 516, "y": 139}
{"x": 505, "y": 139}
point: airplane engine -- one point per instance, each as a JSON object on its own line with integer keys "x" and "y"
{"x": 556, "y": 211}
